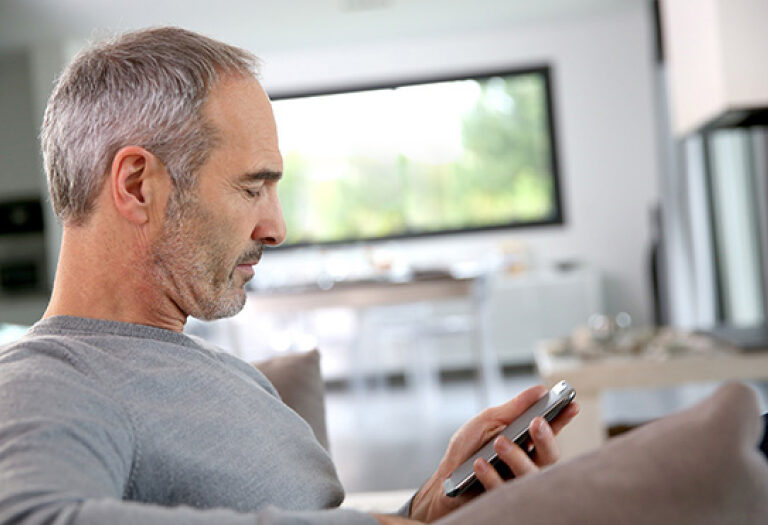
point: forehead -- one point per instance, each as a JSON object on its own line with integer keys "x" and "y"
{"x": 240, "y": 111}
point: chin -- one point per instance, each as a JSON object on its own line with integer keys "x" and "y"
{"x": 222, "y": 307}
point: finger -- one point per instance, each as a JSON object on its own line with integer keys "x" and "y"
{"x": 486, "y": 474}
{"x": 507, "y": 412}
{"x": 547, "y": 451}
{"x": 516, "y": 459}
{"x": 565, "y": 417}
{"x": 484, "y": 426}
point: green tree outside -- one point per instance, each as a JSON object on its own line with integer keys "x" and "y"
{"x": 502, "y": 176}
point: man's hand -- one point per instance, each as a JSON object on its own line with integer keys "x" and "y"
{"x": 431, "y": 503}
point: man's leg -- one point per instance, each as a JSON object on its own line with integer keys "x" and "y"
{"x": 764, "y": 444}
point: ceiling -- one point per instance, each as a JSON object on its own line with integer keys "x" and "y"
{"x": 280, "y": 25}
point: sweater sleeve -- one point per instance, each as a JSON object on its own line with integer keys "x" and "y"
{"x": 67, "y": 450}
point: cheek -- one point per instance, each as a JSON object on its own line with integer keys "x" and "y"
{"x": 224, "y": 234}
{"x": 227, "y": 237}
{"x": 207, "y": 235}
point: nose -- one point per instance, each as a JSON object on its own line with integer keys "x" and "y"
{"x": 270, "y": 229}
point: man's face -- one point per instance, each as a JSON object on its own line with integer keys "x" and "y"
{"x": 209, "y": 241}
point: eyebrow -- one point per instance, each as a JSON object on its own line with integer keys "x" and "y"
{"x": 262, "y": 175}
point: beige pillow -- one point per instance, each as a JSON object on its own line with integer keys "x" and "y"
{"x": 701, "y": 466}
{"x": 297, "y": 379}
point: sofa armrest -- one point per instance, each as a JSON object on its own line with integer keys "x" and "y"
{"x": 298, "y": 381}
{"x": 701, "y": 466}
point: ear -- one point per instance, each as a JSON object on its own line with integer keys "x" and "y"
{"x": 139, "y": 183}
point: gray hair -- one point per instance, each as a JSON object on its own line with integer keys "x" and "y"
{"x": 145, "y": 88}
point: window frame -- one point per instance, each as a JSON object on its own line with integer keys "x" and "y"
{"x": 544, "y": 70}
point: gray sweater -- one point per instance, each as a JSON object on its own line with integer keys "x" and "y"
{"x": 106, "y": 422}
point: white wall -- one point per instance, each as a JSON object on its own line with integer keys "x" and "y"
{"x": 605, "y": 120}
{"x": 715, "y": 53}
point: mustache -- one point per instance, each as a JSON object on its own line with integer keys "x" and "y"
{"x": 254, "y": 255}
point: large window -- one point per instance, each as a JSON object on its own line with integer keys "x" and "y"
{"x": 450, "y": 155}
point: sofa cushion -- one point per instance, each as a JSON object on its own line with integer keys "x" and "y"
{"x": 701, "y": 466}
{"x": 297, "y": 379}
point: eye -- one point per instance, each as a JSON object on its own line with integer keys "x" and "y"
{"x": 251, "y": 192}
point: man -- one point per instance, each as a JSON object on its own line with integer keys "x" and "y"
{"x": 163, "y": 163}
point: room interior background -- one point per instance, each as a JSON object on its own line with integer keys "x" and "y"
{"x": 606, "y": 130}
{"x": 662, "y": 224}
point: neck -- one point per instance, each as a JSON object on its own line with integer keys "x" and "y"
{"x": 109, "y": 281}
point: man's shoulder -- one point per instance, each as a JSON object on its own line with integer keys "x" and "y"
{"x": 31, "y": 345}
{"x": 45, "y": 387}
{"x": 38, "y": 352}
{"x": 42, "y": 371}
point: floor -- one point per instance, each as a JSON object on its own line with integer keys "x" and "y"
{"x": 386, "y": 437}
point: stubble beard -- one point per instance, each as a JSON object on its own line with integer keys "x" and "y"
{"x": 190, "y": 259}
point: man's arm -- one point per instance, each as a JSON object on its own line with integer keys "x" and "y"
{"x": 67, "y": 453}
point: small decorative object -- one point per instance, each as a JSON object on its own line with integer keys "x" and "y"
{"x": 605, "y": 336}
{"x": 601, "y": 327}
